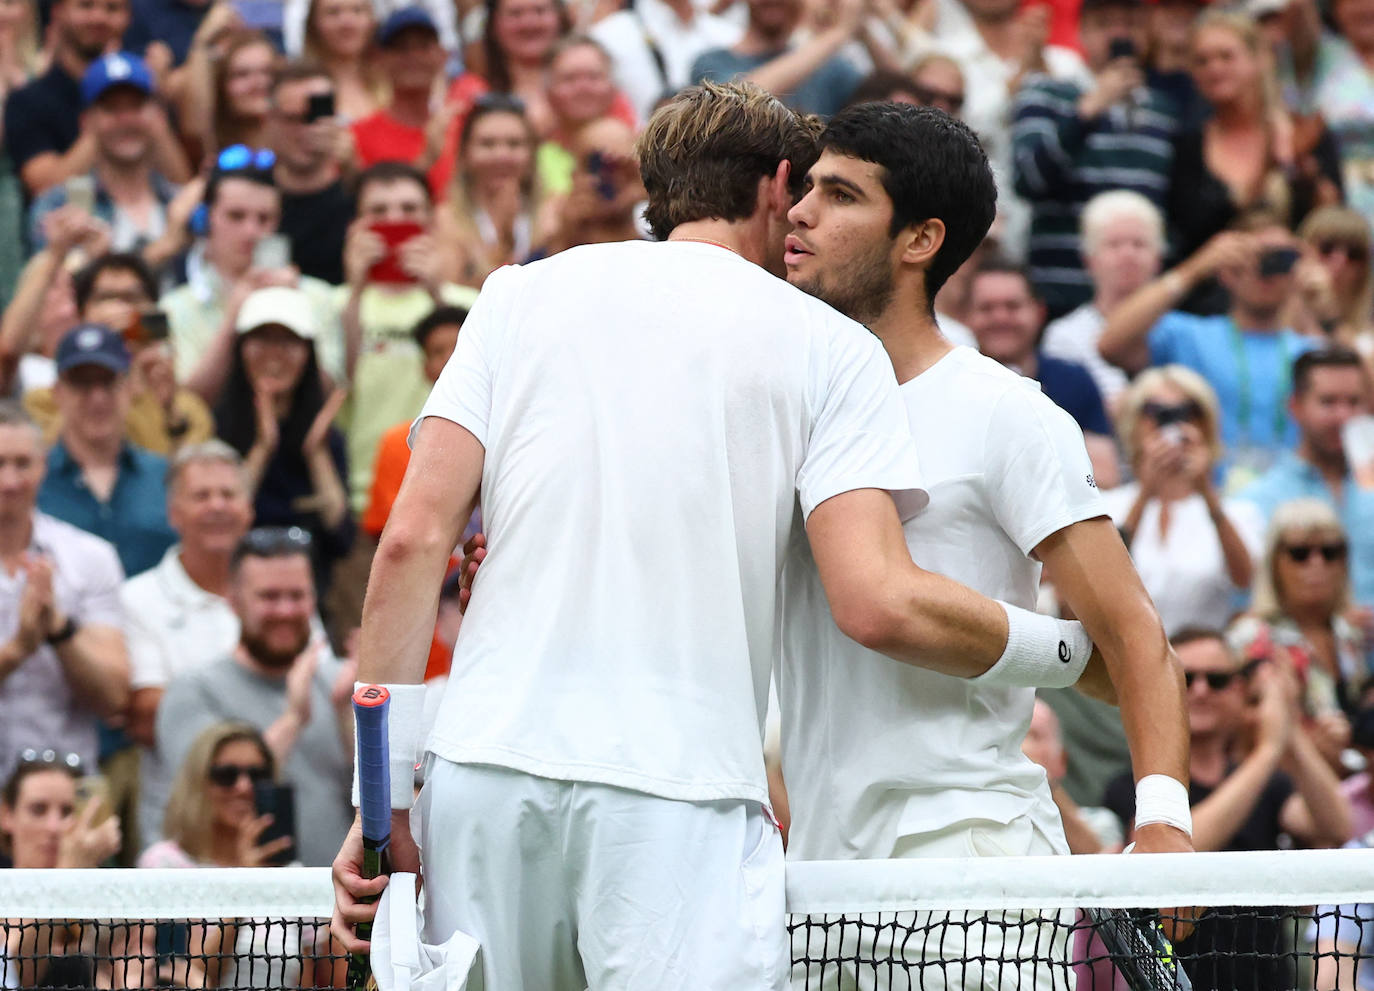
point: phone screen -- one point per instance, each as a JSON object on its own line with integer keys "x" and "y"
{"x": 319, "y": 106}
{"x": 80, "y": 190}
{"x": 273, "y": 251}
{"x": 389, "y": 269}
{"x": 278, "y": 801}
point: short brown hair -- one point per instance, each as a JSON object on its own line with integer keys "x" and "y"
{"x": 703, "y": 154}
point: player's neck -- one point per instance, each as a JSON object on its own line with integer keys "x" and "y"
{"x": 744, "y": 238}
{"x": 911, "y": 338}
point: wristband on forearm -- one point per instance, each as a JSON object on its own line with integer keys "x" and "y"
{"x": 1162, "y": 799}
{"x": 1041, "y": 652}
{"x": 405, "y": 717}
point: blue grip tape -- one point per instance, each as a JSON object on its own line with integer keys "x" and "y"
{"x": 374, "y": 769}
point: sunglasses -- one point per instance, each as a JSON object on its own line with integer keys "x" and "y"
{"x": 266, "y": 541}
{"x": 70, "y": 762}
{"x": 228, "y": 775}
{"x": 939, "y": 97}
{"x": 500, "y": 101}
{"x": 1355, "y": 252}
{"x": 1164, "y": 414}
{"x": 1331, "y": 553}
{"x": 241, "y": 158}
{"x": 1216, "y": 680}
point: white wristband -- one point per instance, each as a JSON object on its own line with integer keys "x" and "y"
{"x": 1041, "y": 652}
{"x": 1160, "y": 798}
{"x": 404, "y": 719}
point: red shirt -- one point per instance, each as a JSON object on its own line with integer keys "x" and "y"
{"x": 383, "y": 138}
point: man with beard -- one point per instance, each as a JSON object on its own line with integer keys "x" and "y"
{"x": 897, "y": 201}
{"x": 281, "y": 682}
{"x": 42, "y": 119}
{"x": 130, "y": 195}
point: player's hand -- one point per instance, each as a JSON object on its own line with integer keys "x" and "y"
{"x": 1178, "y": 923}
{"x": 350, "y": 887}
{"x": 474, "y": 553}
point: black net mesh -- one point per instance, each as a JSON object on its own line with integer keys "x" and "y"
{"x": 1235, "y": 949}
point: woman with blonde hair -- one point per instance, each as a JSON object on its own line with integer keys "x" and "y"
{"x": 1192, "y": 548}
{"x": 1249, "y": 153}
{"x": 496, "y": 212}
{"x": 1298, "y": 617}
{"x": 212, "y": 821}
{"x": 1339, "y": 239}
{"x": 341, "y": 36}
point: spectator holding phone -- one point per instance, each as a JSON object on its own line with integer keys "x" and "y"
{"x": 580, "y": 91}
{"x": 1193, "y": 549}
{"x": 1246, "y": 355}
{"x": 341, "y": 36}
{"x": 118, "y": 291}
{"x": 606, "y": 188}
{"x": 1071, "y": 142}
{"x": 123, "y": 189}
{"x": 311, "y": 147}
{"x": 496, "y": 213}
{"x": 281, "y": 682}
{"x": 238, "y": 253}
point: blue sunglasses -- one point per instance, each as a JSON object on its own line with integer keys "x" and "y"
{"x": 240, "y": 158}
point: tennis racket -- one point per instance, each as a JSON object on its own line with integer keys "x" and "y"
{"x": 370, "y": 705}
{"x": 1139, "y": 949}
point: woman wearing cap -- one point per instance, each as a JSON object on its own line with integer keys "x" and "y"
{"x": 274, "y": 412}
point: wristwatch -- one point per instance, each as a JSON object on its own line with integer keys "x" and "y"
{"x": 64, "y": 633}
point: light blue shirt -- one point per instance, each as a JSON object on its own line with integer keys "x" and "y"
{"x": 1293, "y": 478}
{"x": 1251, "y": 372}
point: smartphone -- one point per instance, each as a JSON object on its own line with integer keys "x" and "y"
{"x": 273, "y": 251}
{"x": 319, "y": 106}
{"x": 389, "y": 269}
{"x": 80, "y": 190}
{"x": 93, "y": 788}
{"x": 1121, "y": 48}
{"x": 604, "y": 174}
{"x": 278, "y": 801}
{"x": 1357, "y": 437}
{"x": 148, "y": 327}
{"x": 1278, "y": 261}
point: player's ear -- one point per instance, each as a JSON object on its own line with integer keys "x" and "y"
{"x": 922, "y": 241}
{"x": 778, "y": 189}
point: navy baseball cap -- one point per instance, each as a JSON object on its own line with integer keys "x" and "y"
{"x": 93, "y": 344}
{"x": 109, "y": 71}
{"x": 400, "y": 20}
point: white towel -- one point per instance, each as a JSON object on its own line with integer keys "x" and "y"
{"x": 400, "y": 962}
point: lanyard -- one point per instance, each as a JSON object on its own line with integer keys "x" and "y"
{"x": 1243, "y": 374}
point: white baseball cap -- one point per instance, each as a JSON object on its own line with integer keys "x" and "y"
{"x": 280, "y": 306}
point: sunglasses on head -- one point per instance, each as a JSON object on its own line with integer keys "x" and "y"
{"x": 264, "y": 541}
{"x": 228, "y": 775}
{"x": 500, "y": 101}
{"x": 1331, "y": 553}
{"x": 241, "y": 158}
{"x": 1164, "y": 414}
{"x": 933, "y": 97}
{"x": 1354, "y": 251}
{"x": 70, "y": 762}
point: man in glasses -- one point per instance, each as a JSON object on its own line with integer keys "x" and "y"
{"x": 1245, "y": 799}
{"x": 1329, "y": 389}
{"x": 280, "y": 677}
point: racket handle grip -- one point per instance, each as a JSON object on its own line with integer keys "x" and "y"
{"x": 370, "y": 706}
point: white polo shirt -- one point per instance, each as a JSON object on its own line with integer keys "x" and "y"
{"x": 650, "y": 413}
{"x": 874, "y": 750}
{"x": 174, "y": 625}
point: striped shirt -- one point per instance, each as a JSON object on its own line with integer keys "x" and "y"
{"x": 1061, "y": 162}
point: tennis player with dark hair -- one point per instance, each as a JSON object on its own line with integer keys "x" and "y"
{"x": 642, "y": 420}
{"x": 897, "y": 201}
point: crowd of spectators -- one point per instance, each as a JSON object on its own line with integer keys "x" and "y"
{"x": 238, "y": 241}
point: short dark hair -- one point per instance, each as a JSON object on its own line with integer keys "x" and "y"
{"x": 384, "y": 173}
{"x": 267, "y": 542}
{"x": 83, "y": 282}
{"x": 1197, "y": 634}
{"x": 1332, "y": 357}
{"x": 297, "y": 71}
{"x": 260, "y": 177}
{"x": 994, "y": 264}
{"x": 934, "y": 168}
{"x": 704, "y": 152}
{"x": 440, "y": 316}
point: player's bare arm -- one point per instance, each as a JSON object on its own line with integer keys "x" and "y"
{"x": 1093, "y": 573}
{"x": 433, "y": 506}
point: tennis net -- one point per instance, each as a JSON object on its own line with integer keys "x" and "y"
{"x": 1272, "y": 921}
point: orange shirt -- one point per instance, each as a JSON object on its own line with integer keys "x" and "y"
{"x": 393, "y": 454}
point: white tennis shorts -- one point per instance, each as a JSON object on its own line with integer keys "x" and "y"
{"x": 569, "y": 885}
{"x": 942, "y": 951}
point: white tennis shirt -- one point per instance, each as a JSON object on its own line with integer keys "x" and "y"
{"x": 874, "y": 750}
{"x": 650, "y": 413}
